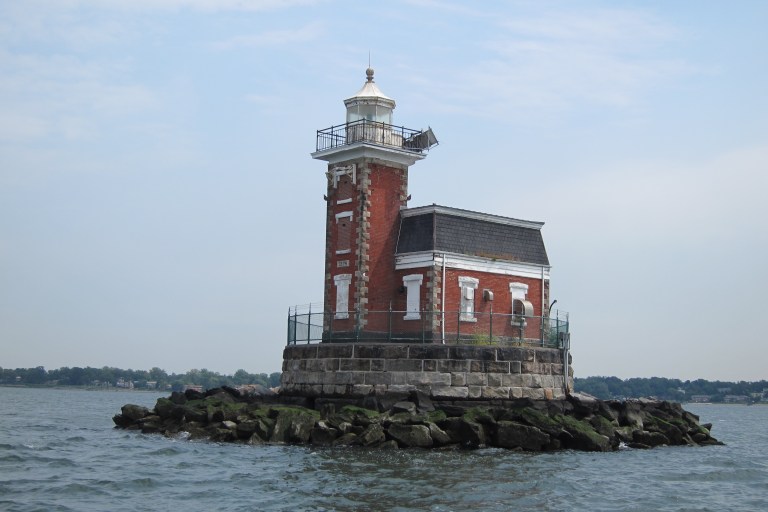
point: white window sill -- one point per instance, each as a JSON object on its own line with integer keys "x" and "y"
{"x": 341, "y": 316}
{"x": 344, "y": 251}
{"x": 468, "y": 319}
{"x": 412, "y": 316}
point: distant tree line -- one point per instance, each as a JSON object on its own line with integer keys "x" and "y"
{"x": 672, "y": 389}
{"x": 155, "y": 378}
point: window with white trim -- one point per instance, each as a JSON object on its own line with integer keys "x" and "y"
{"x": 342, "y": 282}
{"x": 467, "y": 286}
{"x": 412, "y": 285}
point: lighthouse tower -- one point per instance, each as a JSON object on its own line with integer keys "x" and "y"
{"x": 367, "y": 185}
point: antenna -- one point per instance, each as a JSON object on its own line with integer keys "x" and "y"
{"x": 369, "y": 58}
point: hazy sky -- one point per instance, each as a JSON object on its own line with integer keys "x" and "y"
{"x": 159, "y": 207}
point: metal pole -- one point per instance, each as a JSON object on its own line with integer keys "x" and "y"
{"x": 309, "y": 323}
{"x": 330, "y": 326}
{"x": 288, "y": 332}
{"x": 442, "y": 303}
{"x": 541, "y": 324}
{"x": 389, "y": 323}
{"x": 357, "y": 324}
{"x": 295, "y": 323}
{"x": 490, "y": 326}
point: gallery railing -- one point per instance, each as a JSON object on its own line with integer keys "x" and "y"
{"x": 374, "y": 132}
{"x": 310, "y": 324}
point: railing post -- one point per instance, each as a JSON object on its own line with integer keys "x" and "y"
{"x": 295, "y": 323}
{"x": 288, "y": 332}
{"x": 490, "y": 326}
{"x": 458, "y": 326}
{"x": 331, "y": 314}
{"x": 357, "y": 324}
{"x": 389, "y": 323}
{"x": 422, "y": 329}
{"x": 309, "y": 324}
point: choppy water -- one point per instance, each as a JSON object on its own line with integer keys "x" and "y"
{"x": 59, "y": 452}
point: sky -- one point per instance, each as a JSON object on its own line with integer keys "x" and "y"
{"x": 159, "y": 206}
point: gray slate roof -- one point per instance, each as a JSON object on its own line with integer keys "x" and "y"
{"x": 442, "y": 229}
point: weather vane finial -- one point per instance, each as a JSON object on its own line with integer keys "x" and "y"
{"x": 369, "y": 71}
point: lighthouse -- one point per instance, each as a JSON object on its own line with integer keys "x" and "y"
{"x": 450, "y": 302}
{"x": 368, "y": 159}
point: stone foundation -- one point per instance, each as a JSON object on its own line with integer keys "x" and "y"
{"x": 444, "y": 372}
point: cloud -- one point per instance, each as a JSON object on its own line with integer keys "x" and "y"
{"x": 558, "y": 61}
{"x": 663, "y": 202}
{"x": 300, "y": 35}
{"x": 60, "y": 95}
{"x": 201, "y": 5}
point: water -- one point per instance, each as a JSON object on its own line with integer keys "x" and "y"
{"x": 59, "y": 452}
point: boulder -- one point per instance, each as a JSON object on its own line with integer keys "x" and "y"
{"x": 373, "y": 435}
{"x": 412, "y": 419}
{"x": 346, "y": 440}
{"x": 178, "y": 398}
{"x": 322, "y": 434}
{"x": 293, "y": 425}
{"x": 439, "y": 436}
{"x": 464, "y": 432}
{"x": 581, "y": 436}
{"x": 410, "y": 435}
{"x": 408, "y": 407}
{"x": 649, "y": 438}
{"x": 423, "y": 401}
{"x": 133, "y": 412}
{"x": 510, "y": 434}
{"x": 193, "y": 394}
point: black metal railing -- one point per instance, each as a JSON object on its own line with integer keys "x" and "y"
{"x": 373, "y": 132}
{"x": 313, "y": 325}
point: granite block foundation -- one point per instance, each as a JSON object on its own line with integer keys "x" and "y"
{"x": 444, "y": 372}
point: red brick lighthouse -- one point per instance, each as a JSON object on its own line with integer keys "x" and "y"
{"x": 450, "y": 302}
{"x": 368, "y": 160}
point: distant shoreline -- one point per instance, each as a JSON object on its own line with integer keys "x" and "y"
{"x": 160, "y": 391}
{"x": 83, "y": 388}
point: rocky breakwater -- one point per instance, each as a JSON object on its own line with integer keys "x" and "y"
{"x": 576, "y": 422}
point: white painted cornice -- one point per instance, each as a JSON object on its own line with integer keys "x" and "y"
{"x": 358, "y": 150}
{"x": 476, "y": 263}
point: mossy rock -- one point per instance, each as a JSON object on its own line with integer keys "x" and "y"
{"x": 542, "y": 421}
{"x": 400, "y": 417}
{"x": 275, "y": 410}
{"x": 603, "y": 426}
{"x": 292, "y": 424}
{"x": 671, "y": 431}
{"x": 357, "y": 415}
{"x": 479, "y": 415}
{"x": 164, "y": 407}
{"x": 583, "y": 436}
{"x": 435, "y": 416}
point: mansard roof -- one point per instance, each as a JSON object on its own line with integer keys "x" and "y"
{"x": 452, "y": 230}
